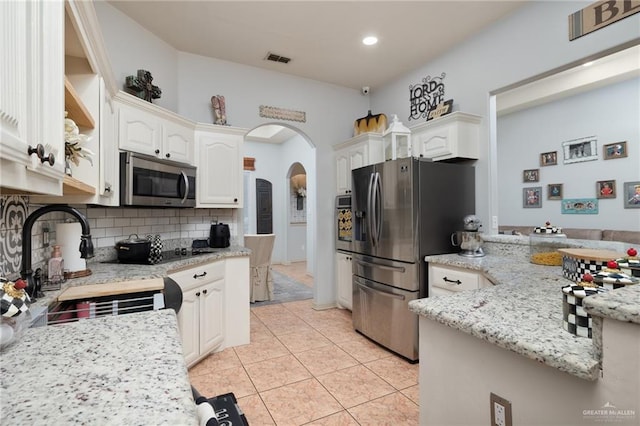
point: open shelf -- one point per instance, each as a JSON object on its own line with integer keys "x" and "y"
{"x": 72, "y": 186}
{"x": 75, "y": 107}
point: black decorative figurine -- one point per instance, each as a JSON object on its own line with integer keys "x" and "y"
{"x": 142, "y": 86}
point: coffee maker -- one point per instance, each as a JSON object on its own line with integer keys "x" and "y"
{"x": 469, "y": 239}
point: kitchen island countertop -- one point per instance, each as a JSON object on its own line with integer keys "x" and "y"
{"x": 126, "y": 369}
{"x": 523, "y": 311}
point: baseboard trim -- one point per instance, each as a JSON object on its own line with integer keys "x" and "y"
{"x": 324, "y": 306}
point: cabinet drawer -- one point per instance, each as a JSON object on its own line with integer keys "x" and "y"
{"x": 199, "y": 275}
{"x": 453, "y": 280}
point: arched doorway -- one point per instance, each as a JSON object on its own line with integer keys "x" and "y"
{"x": 274, "y": 148}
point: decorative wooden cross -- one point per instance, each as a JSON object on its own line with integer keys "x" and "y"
{"x": 141, "y": 86}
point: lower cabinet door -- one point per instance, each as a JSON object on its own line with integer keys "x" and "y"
{"x": 189, "y": 324}
{"x": 212, "y": 316}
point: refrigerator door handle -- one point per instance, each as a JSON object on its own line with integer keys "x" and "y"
{"x": 378, "y": 206}
{"x": 369, "y": 216}
{"x": 366, "y": 288}
{"x": 400, "y": 269}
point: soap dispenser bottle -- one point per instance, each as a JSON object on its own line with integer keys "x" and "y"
{"x": 56, "y": 266}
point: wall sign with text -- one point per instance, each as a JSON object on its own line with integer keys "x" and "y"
{"x": 425, "y": 96}
{"x": 600, "y": 14}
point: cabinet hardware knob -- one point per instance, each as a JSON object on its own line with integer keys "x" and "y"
{"x": 195, "y": 276}
{"x": 107, "y": 187}
{"x": 168, "y": 155}
{"x": 235, "y": 200}
{"x": 198, "y": 294}
{"x": 157, "y": 151}
{"x": 447, "y": 280}
{"x": 48, "y": 159}
{"x": 204, "y": 291}
{"x": 39, "y": 150}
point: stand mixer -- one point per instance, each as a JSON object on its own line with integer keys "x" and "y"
{"x": 469, "y": 240}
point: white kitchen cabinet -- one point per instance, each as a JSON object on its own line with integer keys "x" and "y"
{"x": 456, "y": 135}
{"x": 344, "y": 279}
{"x": 215, "y": 308}
{"x": 138, "y": 129}
{"x": 202, "y": 316}
{"x": 361, "y": 150}
{"x": 220, "y": 166}
{"x": 89, "y": 104}
{"x": 151, "y": 130}
{"x": 446, "y": 280}
{"x": 177, "y": 141}
{"x": 32, "y": 96}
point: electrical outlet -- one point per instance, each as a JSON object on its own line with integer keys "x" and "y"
{"x": 494, "y": 222}
{"x": 500, "y": 411}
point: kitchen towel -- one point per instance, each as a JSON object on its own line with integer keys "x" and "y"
{"x": 68, "y": 236}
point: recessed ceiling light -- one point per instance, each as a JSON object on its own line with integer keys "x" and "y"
{"x": 370, "y": 40}
{"x": 587, "y": 64}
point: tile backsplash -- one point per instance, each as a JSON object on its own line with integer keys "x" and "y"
{"x": 176, "y": 227}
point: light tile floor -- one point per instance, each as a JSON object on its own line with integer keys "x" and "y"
{"x": 308, "y": 367}
{"x": 296, "y": 271}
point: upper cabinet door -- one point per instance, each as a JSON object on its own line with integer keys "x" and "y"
{"x": 32, "y": 96}
{"x": 139, "y": 131}
{"x": 220, "y": 165}
{"x": 177, "y": 142}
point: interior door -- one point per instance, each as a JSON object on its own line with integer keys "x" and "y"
{"x": 264, "y": 207}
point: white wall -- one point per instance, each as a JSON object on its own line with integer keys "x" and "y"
{"x": 272, "y": 163}
{"x": 534, "y": 39}
{"x": 132, "y": 47}
{"x": 612, "y": 114}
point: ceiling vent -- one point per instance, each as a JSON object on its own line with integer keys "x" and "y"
{"x": 277, "y": 58}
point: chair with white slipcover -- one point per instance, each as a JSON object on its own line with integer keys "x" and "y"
{"x": 261, "y": 246}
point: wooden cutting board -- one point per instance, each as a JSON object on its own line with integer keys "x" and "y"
{"x": 592, "y": 254}
{"x": 110, "y": 289}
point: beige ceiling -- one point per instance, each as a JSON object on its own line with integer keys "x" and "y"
{"x": 322, "y": 38}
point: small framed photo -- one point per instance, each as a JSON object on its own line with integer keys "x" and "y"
{"x": 578, "y": 150}
{"x": 532, "y": 175}
{"x": 632, "y": 195}
{"x": 606, "y": 189}
{"x": 614, "y": 150}
{"x": 549, "y": 158}
{"x": 554, "y": 191}
{"x": 532, "y": 197}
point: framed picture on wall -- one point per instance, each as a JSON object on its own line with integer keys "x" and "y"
{"x": 614, "y": 150}
{"x": 531, "y": 175}
{"x": 632, "y": 195}
{"x": 554, "y": 191}
{"x": 578, "y": 150}
{"x": 532, "y": 197}
{"x": 606, "y": 189}
{"x": 549, "y": 158}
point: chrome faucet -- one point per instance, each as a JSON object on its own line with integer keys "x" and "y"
{"x": 86, "y": 245}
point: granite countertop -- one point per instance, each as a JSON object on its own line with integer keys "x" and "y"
{"x": 126, "y": 369}
{"x": 114, "y": 272}
{"x": 523, "y": 311}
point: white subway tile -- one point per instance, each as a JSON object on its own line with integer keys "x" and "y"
{"x": 96, "y": 213}
{"x": 138, "y": 221}
{"x": 105, "y": 223}
{"x": 113, "y": 232}
{"x": 125, "y": 221}
{"x": 106, "y": 242}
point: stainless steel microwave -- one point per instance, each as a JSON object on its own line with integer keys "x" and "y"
{"x": 151, "y": 182}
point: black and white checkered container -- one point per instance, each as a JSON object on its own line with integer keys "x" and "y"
{"x": 155, "y": 253}
{"x": 575, "y": 319}
{"x": 574, "y": 269}
{"x": 629, "y": 266}
{"x": 612, "y": 279}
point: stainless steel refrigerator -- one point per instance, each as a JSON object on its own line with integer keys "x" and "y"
{"x": 404, "y": 210}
